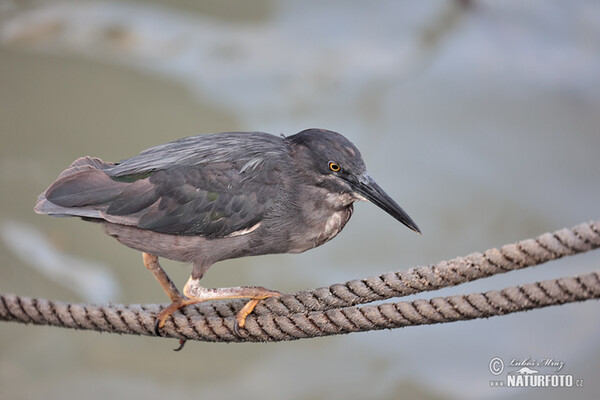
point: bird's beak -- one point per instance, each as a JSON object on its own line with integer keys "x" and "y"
{"x": 369, "y": 189}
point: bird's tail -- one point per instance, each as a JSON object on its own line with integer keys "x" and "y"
{"x": 80, "y": 190}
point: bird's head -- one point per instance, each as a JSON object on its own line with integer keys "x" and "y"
{"x": 335, "y": 164}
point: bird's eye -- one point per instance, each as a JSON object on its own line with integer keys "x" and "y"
{"x": 334, "y": 167}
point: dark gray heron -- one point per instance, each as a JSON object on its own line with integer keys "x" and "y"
{"x": 214, "y": 197}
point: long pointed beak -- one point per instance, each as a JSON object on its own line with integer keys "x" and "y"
{"x": 369, "y": 189}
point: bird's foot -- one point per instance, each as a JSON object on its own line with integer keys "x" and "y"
{"x": 240, "y": 318}
{"x": 193, "y": 290}
{"x": 166, "y": 312}
{"x": 194, "y": 293}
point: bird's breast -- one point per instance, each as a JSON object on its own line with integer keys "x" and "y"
{"x": 334, "y": 224}
{"x": 318, "y": 228}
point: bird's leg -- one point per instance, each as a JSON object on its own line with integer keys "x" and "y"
{"x": 194, "y": 291}
{"x": 151, "y": 263}
{"x": 177, "y": 299}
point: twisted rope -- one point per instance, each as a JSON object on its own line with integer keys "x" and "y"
{"x": 332, "y": 310}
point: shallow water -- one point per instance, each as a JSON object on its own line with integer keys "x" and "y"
{"x": 484, "y": 124}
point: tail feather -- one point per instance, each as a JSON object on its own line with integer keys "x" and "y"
{"x": 82, "y": 190}
{"x": 85, "y": 163}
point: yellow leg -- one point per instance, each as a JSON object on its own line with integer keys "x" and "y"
{"x": 177, "y": 299}
{"x": 240, "y": 318}
{"x": 151, "y": 263}
{"x": 194, "y": 293}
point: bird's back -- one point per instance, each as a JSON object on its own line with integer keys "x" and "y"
{"x": 250, "y": 149}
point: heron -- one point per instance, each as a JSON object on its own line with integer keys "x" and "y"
{"x": 213, "y": 197}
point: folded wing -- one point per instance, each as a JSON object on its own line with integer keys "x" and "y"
{"x": 211, "y": 200}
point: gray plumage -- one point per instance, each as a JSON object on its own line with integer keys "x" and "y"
{"x": 212, "y": 197}
{"x": 247, "y": 148}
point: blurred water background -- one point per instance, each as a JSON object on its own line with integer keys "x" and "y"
{"x": 481, "y": 118}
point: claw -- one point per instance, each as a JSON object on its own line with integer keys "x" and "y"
{"x": 181, "y": 344}
{"x": 240, "y": 318}
{"x": 236, "y": 329}
{"x": 157, "y": 327}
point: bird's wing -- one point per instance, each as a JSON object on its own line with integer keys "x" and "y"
{"x": 210, "y": 185}
{"x": 213, "y": 200}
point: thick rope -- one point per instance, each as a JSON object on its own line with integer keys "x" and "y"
{"x": 332, "y": 310}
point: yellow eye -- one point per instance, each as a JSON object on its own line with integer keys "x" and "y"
{"x": 334, "y": 167}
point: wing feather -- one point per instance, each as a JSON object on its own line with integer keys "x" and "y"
{"x": 211, "y": 201}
